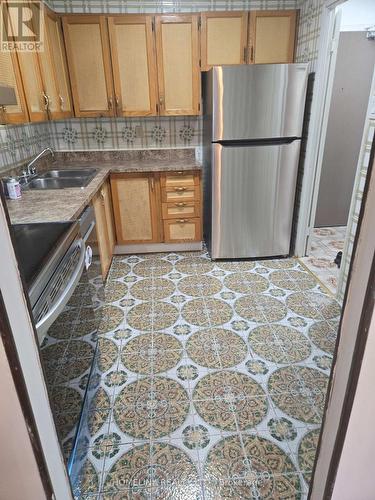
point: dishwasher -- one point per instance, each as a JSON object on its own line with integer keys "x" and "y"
{"x": 57, "y": 271}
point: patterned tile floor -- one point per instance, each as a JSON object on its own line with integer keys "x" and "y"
{"x": 326, "y": 242}
{"x": 213, "y": 381}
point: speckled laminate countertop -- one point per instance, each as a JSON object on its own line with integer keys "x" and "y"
{"x": 54, "y": 205}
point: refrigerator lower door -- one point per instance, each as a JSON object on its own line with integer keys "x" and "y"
{"x": 253, "y": 192}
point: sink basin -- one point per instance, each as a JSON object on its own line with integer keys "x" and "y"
{"x": 69, "y": 172}
{"x": 64, "y": 178}
{"x": 40, "y": 183}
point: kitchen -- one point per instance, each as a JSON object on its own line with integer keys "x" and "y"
{"x": 167, "y": 319}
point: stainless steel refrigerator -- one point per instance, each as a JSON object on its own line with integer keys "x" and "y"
{"x": 252, "y": 128}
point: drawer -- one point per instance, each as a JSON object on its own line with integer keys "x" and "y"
{"x": 179, "y": 230}
{"x": 180, "y": 210}
{"x": 181, "y": 178}
{"x": 180, "y": 193}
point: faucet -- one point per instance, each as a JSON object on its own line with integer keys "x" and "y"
{"x": 32, "y": 170}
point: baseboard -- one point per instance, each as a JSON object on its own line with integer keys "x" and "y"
{"x": 158, "y": 247}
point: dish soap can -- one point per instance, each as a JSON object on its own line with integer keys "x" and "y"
{"x": 14, "y": 189}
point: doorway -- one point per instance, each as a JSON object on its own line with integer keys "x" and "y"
{"x": 336, "y": 191}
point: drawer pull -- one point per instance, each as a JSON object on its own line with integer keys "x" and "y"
{"x": 179, "y": 189}
{"x": 182, "y": 221}
{"x": 180, "y": 204}
{"x": 179, "y": 172}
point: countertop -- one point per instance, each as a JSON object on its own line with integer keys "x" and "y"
{"x": 67, "y": 204}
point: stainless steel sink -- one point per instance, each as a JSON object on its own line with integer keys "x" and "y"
{"x": 40, "y": 183}
{"x": 69, "y": 172}
{"x": 64, "y": 178}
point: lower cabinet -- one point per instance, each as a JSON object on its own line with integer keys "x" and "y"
{"x": 161, "y": 207}
{"x": 136, "y": 208}
{"x": 104, "y": 235}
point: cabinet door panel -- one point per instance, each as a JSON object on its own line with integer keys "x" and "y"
{"x": 133, "y": 62}
{"x": 10, "y": 75}
{"x": 101, "y": 229}
{"x": 135, "y": 208}
{"x": 272, "y": 36}
{"x": 31, "y": 78}
{"x": 108, "y": 209}
{"x": 33, "y": 86}
{"x": 89, "y": 65}
{"x": 178, "y": 64}
{"x": 57, "y": 52}
{"x": 224, "y": 38}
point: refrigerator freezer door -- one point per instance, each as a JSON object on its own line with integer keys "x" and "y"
{"x": 253, "y": 191}
{"x": 260, "y": 101}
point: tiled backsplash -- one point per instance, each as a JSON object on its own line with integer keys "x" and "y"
{"x": 121, "y": 133}
{"x": 137, "y": 6}
{"x": 19, "y": 143}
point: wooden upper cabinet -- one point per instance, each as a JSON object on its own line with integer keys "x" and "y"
{"x": 87, "y": 46}
{"x": 272, "y": 36}
{"x": 48, "y": 73}
{"x": 10, "y": 75}
{"x": 57, "y": 59}
{"x": 133, "y": 64}
{"x": 223, "y": 38}
{"x": 177, "y": 48}
{"x": 31, "y": 78}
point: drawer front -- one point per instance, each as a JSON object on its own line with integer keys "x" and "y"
{"x": 180, "y": 193}
{"x": 182, "y": 178}
{"x": 179, "y": 230}
{"x": 180, "y": 210}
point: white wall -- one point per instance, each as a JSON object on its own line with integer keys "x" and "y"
{"x": 355, "y": 475}
{"x": 357, "y": 15}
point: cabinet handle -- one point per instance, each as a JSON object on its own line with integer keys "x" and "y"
{"x": 152, "y": 184}
{"x": 46, "y": 101}
{"x": 252, "y": 54}
{"x": 117, "y": 101}
{"x": 102, "y": 194}
{"x": 180, "y": 204}
{"x": 182, "y": 221}
{"x": 161, "y": 100}
{"x": 61, "y": 101}
{"x": 180, "y": 172}
{"x": 179, "y": 189}
{"x": 110, "y": 103}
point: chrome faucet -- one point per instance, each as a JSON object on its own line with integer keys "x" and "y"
{"x": 32, "y": 170}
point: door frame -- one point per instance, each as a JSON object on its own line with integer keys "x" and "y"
{"x": 325, "y": 69}
{"x": 349, "y": 349}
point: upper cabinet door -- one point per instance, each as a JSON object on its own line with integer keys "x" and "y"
{"x": 87, "y": 46}
{"x": 36, "y": 99}
{"x": 224, "y": 38}
{"x": 272, "y": 36}
{"x": 10, "y": 75}
{"x": 133, "y": 63}
{"x": 48, "y": 74}
{"x": 178, "y": 64}
{"x": 58, "y": 59}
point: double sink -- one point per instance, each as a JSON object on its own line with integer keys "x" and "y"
{"x": 62, "y": 178}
